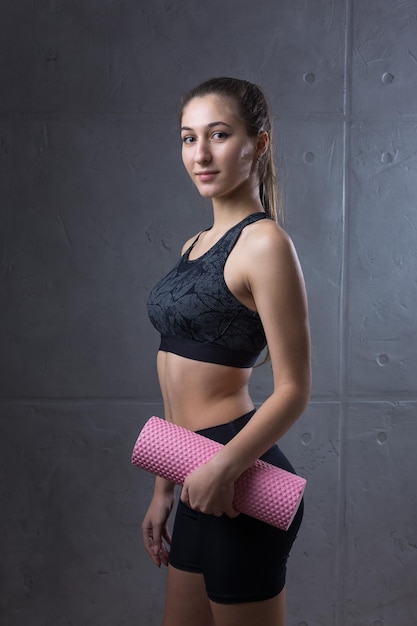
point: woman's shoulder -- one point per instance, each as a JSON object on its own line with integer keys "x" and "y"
{"x": 266, "y": 236}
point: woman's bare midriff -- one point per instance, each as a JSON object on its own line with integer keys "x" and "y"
{"x": 200, "y": 395}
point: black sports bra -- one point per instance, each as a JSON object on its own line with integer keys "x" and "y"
{"x": 198, "y": 316}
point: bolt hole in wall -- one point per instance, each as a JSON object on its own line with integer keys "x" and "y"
{"x": 387, "y": 157}
{"x": 305, "y": 439}
{"x": 309, "y": 77}
{"x": 387, "y": 78}
{"x": 309, "y": 156}
{"x": 381, "y": 439}
{"x": 382, "y": 360}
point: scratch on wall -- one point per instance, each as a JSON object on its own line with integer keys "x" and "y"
{"x": 64, "y": 229}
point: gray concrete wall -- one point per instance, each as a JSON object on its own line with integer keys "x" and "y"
{"x": 94, "y": 208}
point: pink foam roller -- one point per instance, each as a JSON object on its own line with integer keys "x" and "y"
{"x": 264, "y": 491}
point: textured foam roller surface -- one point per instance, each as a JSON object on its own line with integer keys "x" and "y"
{"x": 264, "y": 491}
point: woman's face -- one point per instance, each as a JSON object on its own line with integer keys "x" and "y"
{"x": 217, "y": 152}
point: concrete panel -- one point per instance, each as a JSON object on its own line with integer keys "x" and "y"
{"x": 86, "y": 241}
{"x": 71, "y": 513}
{"x": 381, "y": 514}
{"x": 384, "y": 58}
{"x": 382, "y": 294}
{"x": 134, "y": 54}
{"x": 95, "y": 207}
{"x": 310, "y": 157}
{"x": 313, "y": 446}
{"x": 73, "y": 505}
{"x": 83, "y": 241}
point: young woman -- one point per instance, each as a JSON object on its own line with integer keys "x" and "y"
{"x": 237, "y": 288}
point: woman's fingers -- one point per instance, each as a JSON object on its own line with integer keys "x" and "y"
{"x": 217, "y": 506}
{"x": 184, "y": 497}
{"x": 153, "y": 543}
{"x": 166, "y": 535}
{"x": 231, "y": 512}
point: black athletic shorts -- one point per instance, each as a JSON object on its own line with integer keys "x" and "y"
{"x": 241, "y": 558}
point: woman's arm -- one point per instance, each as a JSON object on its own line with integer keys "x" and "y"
{"x": 273, "y": 277}
{"x": 276, "y": 283}
{"x": 155, "y": 532}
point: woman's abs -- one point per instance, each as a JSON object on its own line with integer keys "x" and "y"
{"x": 200, "y": 395}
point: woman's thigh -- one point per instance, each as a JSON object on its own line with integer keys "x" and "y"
{"x": 187, "y": 604}
{"x": 186, "y": 601}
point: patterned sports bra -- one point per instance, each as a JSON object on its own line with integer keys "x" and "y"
{"x": 198, "y": 316}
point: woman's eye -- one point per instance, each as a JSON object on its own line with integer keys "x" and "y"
{"x": 219, "y": 136}
{"x": 187, "y": 139}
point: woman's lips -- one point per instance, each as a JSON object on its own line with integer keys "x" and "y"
{"x": 206, "y": 176}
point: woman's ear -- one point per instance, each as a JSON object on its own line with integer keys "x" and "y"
{"x": 262, "y": 143}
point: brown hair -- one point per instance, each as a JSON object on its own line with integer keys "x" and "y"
{"x": 254, "y": 110}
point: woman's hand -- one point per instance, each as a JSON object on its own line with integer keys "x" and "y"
{"x": 155, "y": 533}
{"x": 207, "y": 490}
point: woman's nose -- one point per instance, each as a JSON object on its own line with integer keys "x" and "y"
{"x": 203, "y": 153}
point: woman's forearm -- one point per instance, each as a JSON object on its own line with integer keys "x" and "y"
{"x": 163, "y": 486}
{"x": 271, "y": 421}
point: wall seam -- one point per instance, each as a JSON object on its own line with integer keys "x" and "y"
{"x": 341, "y": 560}
{"x": 120, "y": 400}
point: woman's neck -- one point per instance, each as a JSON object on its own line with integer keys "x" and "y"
{"x": 228, "y": 211}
